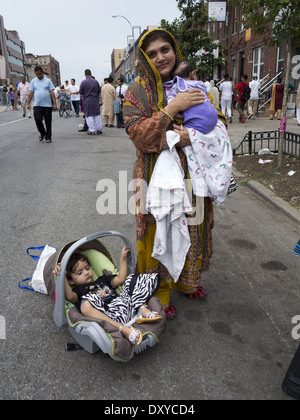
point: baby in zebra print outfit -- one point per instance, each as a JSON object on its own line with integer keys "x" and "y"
{"x": 98, "y": 299}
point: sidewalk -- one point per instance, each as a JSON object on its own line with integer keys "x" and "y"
{"x": 237, "y": 130}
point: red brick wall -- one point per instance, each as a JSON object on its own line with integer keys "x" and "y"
{"x": 236, "y": 44}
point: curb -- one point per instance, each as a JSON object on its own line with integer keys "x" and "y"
{"x": 272, "y": 198}
{"x": 278, "y": 202}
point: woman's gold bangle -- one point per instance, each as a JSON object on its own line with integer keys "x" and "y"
{"x": 168, "y": 115}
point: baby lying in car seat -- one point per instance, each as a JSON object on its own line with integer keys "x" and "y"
{"x": 98, "y": 299}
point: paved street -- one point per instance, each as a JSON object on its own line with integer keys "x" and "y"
{"x": 235, "y": 345}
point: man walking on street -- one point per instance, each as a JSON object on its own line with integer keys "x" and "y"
{"x": 23, "y": 89}
{"x": 90, "y": 91}
{"x": 243, "y": 88}
{"x": 75, "y": 96}
{"x": 226, "y": 89}
{"x": 44, "y": 103}
{"x": 254, "y": 97}
{"x": 108, "y": 96}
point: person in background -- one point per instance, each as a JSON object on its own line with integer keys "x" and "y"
{"x": 56, "y": 94}
{"x": 213, "y": 90}
{"x": 121, "y": 89}
{"x": 254, "y": 97}
{"x": 23, "y": 89}
{"x": 75, "y": 96}
{"x": 67, "y": 89}
{"x": 118, "y": 111}
{"x": 108, "y": 95}
{"x": 12, "y": 98}
{"x": 13, "y": 88}
{"x": 277, "y": 99}
{"x": 226, "y": 90}
{"x": 4, "y": 93}
{"x": 62, "y": 95}
{"x": 241, "y": 99}
{"x": 90, "y": 91}
{"x": 44, "y": 103}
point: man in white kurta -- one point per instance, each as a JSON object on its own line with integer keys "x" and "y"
{"x": 108, "y": 95}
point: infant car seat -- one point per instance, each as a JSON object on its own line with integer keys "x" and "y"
{"x": 93, "y": 334}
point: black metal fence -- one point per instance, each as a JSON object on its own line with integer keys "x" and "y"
{"x": 253, "y": 142}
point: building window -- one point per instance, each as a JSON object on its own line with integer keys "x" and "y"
{"x": 242, "y": 24}
{"x": 220, "y": 31}
{"x": 15, "y": 60}
{"x": 258, "y": 61}
{"x": 233, "y": 67}
{"x": 15, "y": 74}
{"x": 280, "y": 58}
{"x": 235, "y": 20}
{"x": 14, "y": 46}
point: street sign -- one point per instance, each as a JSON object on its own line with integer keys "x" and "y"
{"x": 217, "y": 11}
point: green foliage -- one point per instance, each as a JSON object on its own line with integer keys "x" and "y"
{"x": 282, "y": 15}
{"x": 190, "y": 31}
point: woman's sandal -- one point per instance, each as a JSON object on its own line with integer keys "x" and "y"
{"x": 170, "y": 312}
{"x": 135, "y": 333}
{"x": 151, "y": 318}
{"x": 201, "y": 293}
{"x": 41, "y": 138}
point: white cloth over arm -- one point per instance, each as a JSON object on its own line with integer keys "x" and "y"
{"x": 167, "y": 201}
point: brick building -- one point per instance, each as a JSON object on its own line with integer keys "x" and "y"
{"x": 49, "y": 65}
{"x": 117, "y": 56}
{"x": 12, "y": 55}
{"x": 246, "y": 52}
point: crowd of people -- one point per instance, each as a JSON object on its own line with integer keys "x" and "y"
{"x": 44, "y": 97}
{"x": 246, "y": 97}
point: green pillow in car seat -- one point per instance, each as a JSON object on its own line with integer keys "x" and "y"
{"x": 98, "y": 263}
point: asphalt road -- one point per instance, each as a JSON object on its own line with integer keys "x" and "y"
{"x": 237, "y": 344}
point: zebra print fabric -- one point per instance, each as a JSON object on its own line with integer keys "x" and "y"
{"x": 233, "y": 185}
{"x": 138, "y": 289}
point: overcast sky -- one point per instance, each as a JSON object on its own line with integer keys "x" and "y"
{"x": 81, "y": 34}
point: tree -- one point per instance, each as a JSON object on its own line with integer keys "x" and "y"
{"x": 190, "y": 31}
{"x": 283, "y": 16}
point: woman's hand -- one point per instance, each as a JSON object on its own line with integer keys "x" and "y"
{"x": 184, "y": 101}
{"x": 184, "y": 135}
